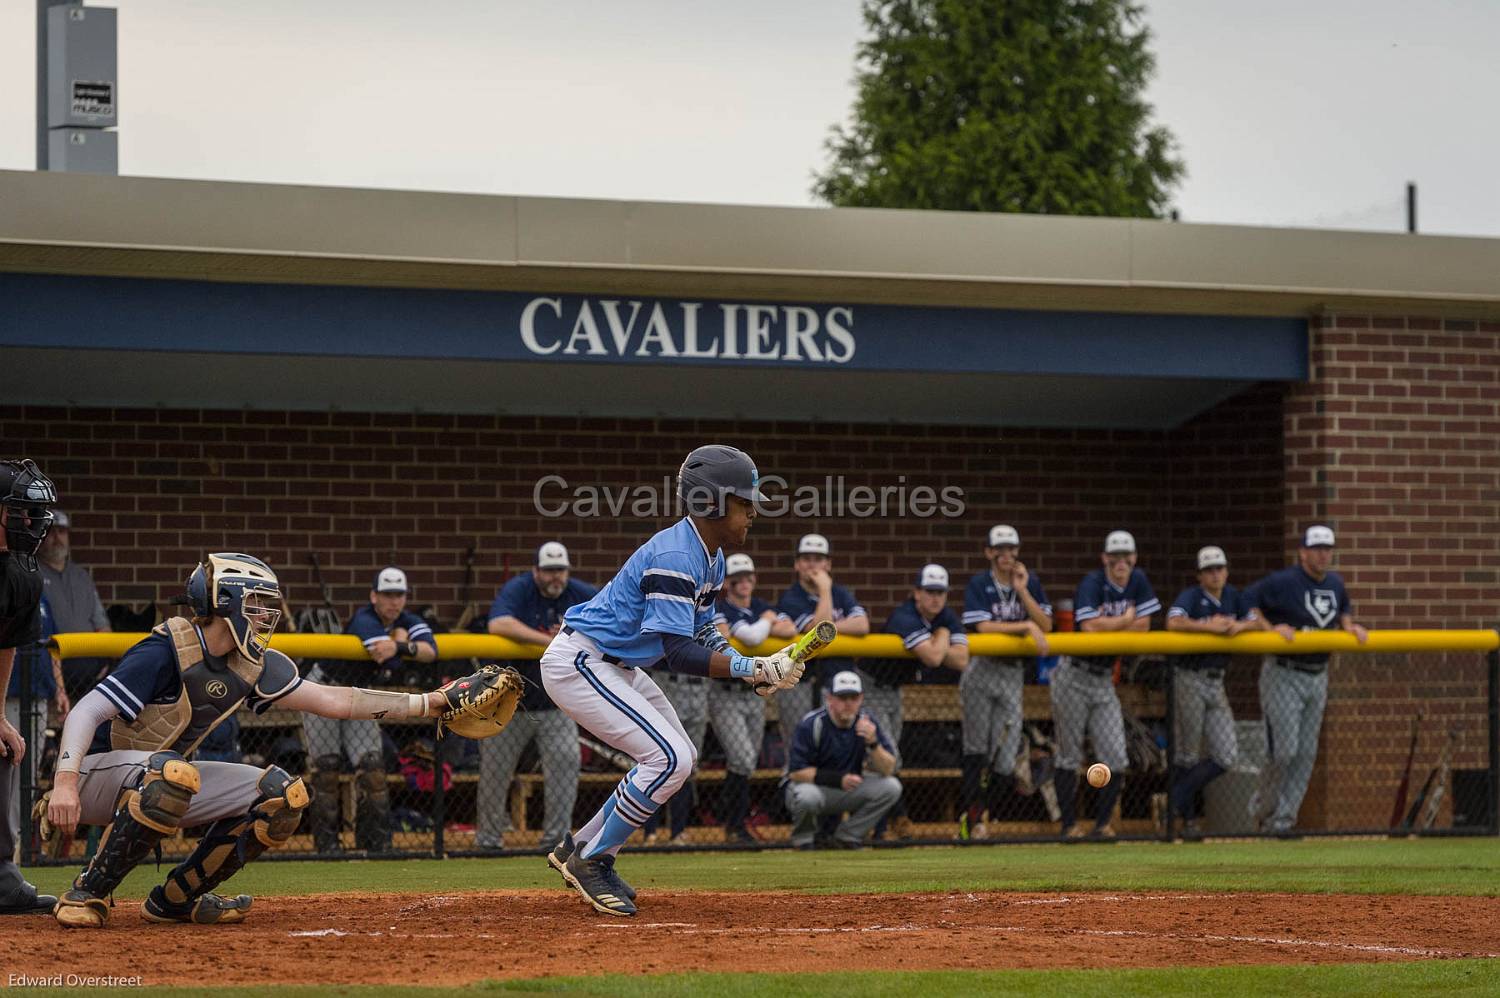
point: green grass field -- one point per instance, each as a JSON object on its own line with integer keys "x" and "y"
{"x": 1427, "y": 867}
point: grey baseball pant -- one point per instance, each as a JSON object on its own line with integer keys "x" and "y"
{"x": 227, "y": 788}
{"x": 332, "y": 736}
{"x": 990, "y": 695}
{"x": 1084, "y": 703}
{"x": 792, "y": 706}
{"x": 865, "y": 804}
{"x": 884, "y": 704}
{"x": 1292, "y": 702}
{"x": 739, "y": 720}
{"x": 556, "y": 737}
{"x": 1203, "y": 719}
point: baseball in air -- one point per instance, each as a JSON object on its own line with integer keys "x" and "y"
{"x": 1098, "y": 774}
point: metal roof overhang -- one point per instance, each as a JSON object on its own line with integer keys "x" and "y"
{"x": 86, "y": 227}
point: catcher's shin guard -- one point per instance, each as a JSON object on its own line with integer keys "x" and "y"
{"x": 144, "y": 815}
{"x": 372, "y": 805}
{"x": 226, "y": 847}
{"x": 324, "y": 814}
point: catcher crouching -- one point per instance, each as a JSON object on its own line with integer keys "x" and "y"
{"x": 124, "y": 758}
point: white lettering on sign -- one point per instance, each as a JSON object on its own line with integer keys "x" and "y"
{"x": 602, "y": 327}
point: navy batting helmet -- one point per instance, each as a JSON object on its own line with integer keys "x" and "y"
{"x": 245, "y": 592}
{"x": 28, "y": 498}
{"x": 713, "y": 473}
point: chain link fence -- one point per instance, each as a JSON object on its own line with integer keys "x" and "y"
{"x": 1373, "y": 743}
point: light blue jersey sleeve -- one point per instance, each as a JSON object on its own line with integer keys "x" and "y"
{"x": 671, "y": 585}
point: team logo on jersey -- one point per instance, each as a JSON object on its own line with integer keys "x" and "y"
{"x": 1322, "y": 605}
{"x": 1006, "y": 608}
{"x": 217, "y": 689}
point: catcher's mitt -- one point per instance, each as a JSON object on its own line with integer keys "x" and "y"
{"x": 481, "y": 704}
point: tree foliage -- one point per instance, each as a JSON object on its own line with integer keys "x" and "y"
{"x": 1003, "y": 105}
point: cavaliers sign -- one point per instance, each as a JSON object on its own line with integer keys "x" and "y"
{"x": 633, "y": 328}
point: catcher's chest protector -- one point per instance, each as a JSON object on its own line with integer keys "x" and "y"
{"x": 208, "y": 697}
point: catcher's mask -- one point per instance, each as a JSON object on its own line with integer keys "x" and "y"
{"x": 28, "y": 497}
{"x": 242, "y": 590}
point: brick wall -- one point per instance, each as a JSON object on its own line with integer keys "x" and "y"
{"x": 151, "y": 490}
{"x": 1395, "y": 441}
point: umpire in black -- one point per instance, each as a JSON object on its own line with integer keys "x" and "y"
{"x": 26, "y": 501}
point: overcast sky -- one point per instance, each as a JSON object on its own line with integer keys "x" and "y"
{"x": 1287, "y": 113}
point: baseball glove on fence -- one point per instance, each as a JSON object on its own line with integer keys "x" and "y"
{"x": 481, "y": 704}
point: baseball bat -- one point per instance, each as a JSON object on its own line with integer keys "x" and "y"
{"x": 467, "y": 615}
{"x": 814, "y": 641}
{"x": 617, "y": 759}
{"x": 1440, "y": 787}
{"x": 1400, "y": 808}
{"x": 323, "y": 619}
{"x": 1416, "y": 807}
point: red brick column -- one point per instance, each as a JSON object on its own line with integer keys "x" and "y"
{"x": 1395, "y": 441}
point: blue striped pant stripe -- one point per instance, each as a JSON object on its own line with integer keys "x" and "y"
{"x": 580, "y": 662}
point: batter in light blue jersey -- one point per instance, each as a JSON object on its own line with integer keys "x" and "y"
{"x": 658, "y": 611}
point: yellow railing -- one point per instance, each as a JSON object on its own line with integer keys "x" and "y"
{"x": 346, "y": 646}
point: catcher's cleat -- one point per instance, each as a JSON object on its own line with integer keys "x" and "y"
{"x": 1075, "y": 832}
{"x": 595, "y": 879}
{"x": 560, "y": 854}
{"x": 78, "y": 909}
{"x": 1103, "y": 832}
{"x": 206, "y": 909}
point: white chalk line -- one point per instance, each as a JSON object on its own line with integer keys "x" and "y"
{"x": 1112, "y": 897}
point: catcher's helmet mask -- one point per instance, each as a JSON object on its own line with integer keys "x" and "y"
{"x": 244, "y": 592}
{"x": 713, "y": 473}
{"x": 28, "y": 497}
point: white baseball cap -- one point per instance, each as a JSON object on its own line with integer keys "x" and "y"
{"x": 844, "y": 683}
{"x": 1318, "y": 536}
{"x": 552, "y": 555}
{"x": 390, "y": 580}
{"x": 813, "y": 544}
{"x": 1004, "y": 534}
{"x": 1211, "y": 557}
{"x": 738, "y": 564}
{"x": 1119, "y": 542}
{"x": 933, "y": 578}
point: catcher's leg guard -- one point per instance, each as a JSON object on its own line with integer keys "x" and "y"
{"x": 372, "y": 805}
{"x": 227, "y": 846}
{"x": 144, "y": 815}
{"x": 325, "y": 803}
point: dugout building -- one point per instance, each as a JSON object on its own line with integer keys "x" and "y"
{"x": 384, "y": 375}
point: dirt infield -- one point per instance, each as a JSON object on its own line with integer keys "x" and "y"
{"x": 393, "y": 938}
